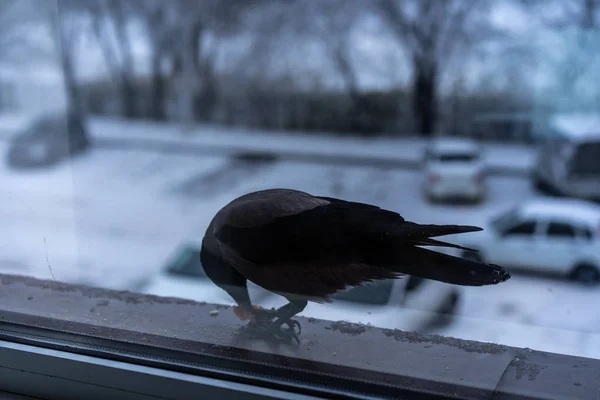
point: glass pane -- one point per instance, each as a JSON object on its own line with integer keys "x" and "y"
{"x": 187, "y": 263}
{"x": 505, "y": 219}
{"x": 179, "y": 107}
{"x": 525, "y": 228}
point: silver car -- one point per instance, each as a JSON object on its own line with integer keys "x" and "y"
{"x": 568, "y": 159}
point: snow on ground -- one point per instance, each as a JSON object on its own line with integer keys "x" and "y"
{"x": 410, "y": 149}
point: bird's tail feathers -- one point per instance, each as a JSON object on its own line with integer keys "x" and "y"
{"x": 434, "y": 265}
{"x": 407, "y": 231}
{"x": 439, "y": 243}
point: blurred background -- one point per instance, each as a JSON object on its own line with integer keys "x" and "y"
{"x": 125, "y": 125}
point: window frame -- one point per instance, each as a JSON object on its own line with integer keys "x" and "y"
{"x": 88, "y": 376}
{"x": 33, "y": 329}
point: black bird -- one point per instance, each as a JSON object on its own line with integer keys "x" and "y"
{"x": 306, "y": 248}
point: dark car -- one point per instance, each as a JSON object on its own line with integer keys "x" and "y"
{"x": 48, "y": 140}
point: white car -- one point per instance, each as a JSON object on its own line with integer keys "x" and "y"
{"x": 409, "y": 303}
{"x": 182, "y": 276}
{"x": 551, "y": 235}
{"x": 454, "y": 169}
{"x": 567, "y": 157}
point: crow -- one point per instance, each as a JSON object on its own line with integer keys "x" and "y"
{"x": 307, "y": 248}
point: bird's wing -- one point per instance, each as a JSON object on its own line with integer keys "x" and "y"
{"x": 335, "y": 230}
{"x": 307, "y": 228}
{"x": 439, "y": 243}
{"x": 261, "y": 208}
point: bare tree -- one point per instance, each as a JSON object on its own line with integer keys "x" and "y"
{"x": 198, "y": 21}
{"x": 16, "y": 19}
{"x": 574, "y": 24}
{"x": 327, "y": 25}
{"x": 110, "y": 22}
{"x": 586, "y": 12}
{"x": 11, "y": 36}
{"x": 565, "y": 13}
{"x": 337, "y": 23}
{"x": 159, "y": 20}
{"x": 68, "y": 27}
{"x": 432, "y": 32}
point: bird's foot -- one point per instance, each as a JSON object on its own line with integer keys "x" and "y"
{"x": 277, "y": 330}
{"x": 266, "y": 317}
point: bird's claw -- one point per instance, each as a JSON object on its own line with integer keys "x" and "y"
{"x": 278, "y": 331}
{"x": 293, "y": 324}
{"x": 263, "y": 314}
{"x": 286, "y": 334}
{"x": 265, "y": 317}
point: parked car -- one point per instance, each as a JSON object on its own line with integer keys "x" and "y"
{"x": 558, "y": 236}
{"x": 454, "y": 169}
{"x": 567, "y": 157}
{"x": 48, "y": 140}
{"x": 183, "y": 276}
{"x": 408, "y": 303}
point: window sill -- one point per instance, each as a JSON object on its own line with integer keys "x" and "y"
{"x": 178, "y": 336}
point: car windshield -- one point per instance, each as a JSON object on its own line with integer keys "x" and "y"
{"x": 457, "y": 157}
{"x": 505, "y": 219}
{"x": 322, "y": 152}
{"x": 369, "y": 294}
{"x": 586, "y": 160}
{"x": 186, "y": 264}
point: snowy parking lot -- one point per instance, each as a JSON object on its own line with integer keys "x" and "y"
{"x": 110, "y": 218}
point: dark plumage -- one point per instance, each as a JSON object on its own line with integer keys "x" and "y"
{"x": 307, "y": 248}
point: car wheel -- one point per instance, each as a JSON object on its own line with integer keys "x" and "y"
{"x": 586, "y": 273}
{"x": 472, "y": 256}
